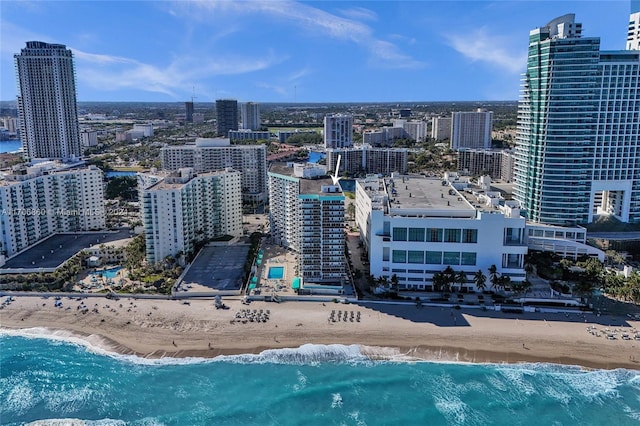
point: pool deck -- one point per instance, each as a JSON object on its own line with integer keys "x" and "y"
{"x": 276, "y": 256}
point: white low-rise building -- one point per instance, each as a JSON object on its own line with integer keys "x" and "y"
{"x": 414, "y": 226}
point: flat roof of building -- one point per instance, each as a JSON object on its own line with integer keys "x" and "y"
{"x": 56, "y": 249}
{"x": 415, "y": 193}
{"x": 307, "y": 186}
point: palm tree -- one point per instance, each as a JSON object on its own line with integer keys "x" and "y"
{"x": 394, "y": 284}
{"x": 480, "y": 280}
{"x": 460, "y": 279}
{"x": 440, "y": 282}
{"x": 494, "y": 276}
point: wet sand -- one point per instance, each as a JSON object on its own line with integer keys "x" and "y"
{"x": 160, "y": 328}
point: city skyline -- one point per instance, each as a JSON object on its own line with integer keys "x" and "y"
{"x": 296, "y": 52}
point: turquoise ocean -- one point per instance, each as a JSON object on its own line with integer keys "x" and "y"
{"x": 43, "y": 379}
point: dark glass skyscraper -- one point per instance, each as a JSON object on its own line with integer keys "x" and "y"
{"x": 227, "y": 116}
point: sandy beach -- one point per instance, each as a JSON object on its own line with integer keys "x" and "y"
{"x": 161, "y": 328}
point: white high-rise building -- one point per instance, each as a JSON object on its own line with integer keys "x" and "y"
{"x": 338, "y": 131}
{"x": 47, "y": 102}
{"x": 367, "y": 159}
{"x": 471, "y": 129}
{"x": 217, "y": 154}
{"x": 250, "y": 116}
{"x": 183, "y": 210}
{"x": 43, "y": 200}
{"x": 307, "y": 216}
{"x": 441, "y": 128}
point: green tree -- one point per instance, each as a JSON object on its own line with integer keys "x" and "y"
{"x": 480, "y": 280}
{"x": 460, "y": 279}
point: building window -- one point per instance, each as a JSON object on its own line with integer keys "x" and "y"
{"x": 416, "y": 234}
{"x": 434, "y": 257}
{"x": 415, "y": 256}
{"x": 469, "y": 235}
{"x": 399, "y": 234}
{"x": 385, "y": 254}
{"x": 451, "y": 258}
{"x": 434, "y": 235}
{"x": 399, "y": 256}
{"x": 452, "y": 235}
{"x": 468, "y": 258}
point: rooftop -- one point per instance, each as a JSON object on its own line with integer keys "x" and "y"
{"x": 427, "y": 196}
{"x": 307, "y": 186}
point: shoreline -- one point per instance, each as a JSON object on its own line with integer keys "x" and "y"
{"x": 155, "y": 329}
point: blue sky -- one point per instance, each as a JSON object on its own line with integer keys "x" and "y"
{"x": 281, "y": 51}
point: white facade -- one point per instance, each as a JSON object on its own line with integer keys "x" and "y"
{"x": 441, "y": 128}
{"x": 633, "y": 35}
{"x": 471, "y": 129}
{"x": 248, "y": 135}
{"x": 183, "y": 210}
{"x": 307, "y": 216}
{"x": 145, "y": 129}
{"x": 89, "y": 138}
{"x": 217, "y": 154}
{"x": 46, "y": 200}
{"x": 47, "y": 102}
{"x": 338, "y": 131}
{"x": 367, "y": 159}
{"x": 413, "y": 227}
{"x": 250, "y": 116}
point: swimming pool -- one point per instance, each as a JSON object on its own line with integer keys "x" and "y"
{"x": 110, "y": 273}
{"x": 275, "y": 272}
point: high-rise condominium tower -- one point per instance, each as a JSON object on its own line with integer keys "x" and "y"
{"x": 227, "y": 116}
{"x": 250, "y": 114}
{"x": 338, "y": 131}
{"x": 578, "y": 140}
{"x": 47, "y": 102}
{"x": 471, "y": 129}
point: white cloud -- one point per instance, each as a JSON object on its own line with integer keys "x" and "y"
{"x": 107, "y": 72}
{"x": 360, "y": 13}
{"x": 483, "y": 47}
{"x": 313, "y": 19}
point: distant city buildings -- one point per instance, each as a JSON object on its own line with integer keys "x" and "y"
{"x": 184, "y": 210}
{"x": 48, "y": 198}
{"x": 47, "y": 102}
{"x": 401, "y": 129}
{"x": 578, "y": 141}
{"x": 89, "y": 138}
{"x": 227, "y": 116}
{"x": 338, "y": 131}
{"x": 208, "y": 155}
{"x": 188, "y": 106}
{"x": 493, "y": 162}
{"x": 307, "y": 216}
{"x": 471, "y": 129}
{"x": 248, "y": 135}
{"x": 250, "y": 115}
{"x": 441, "y": 128}
{"x": 367, "y": 159}
{"x": 283, "y": 135}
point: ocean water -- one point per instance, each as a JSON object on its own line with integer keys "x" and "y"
{"x": 46, "y": 379}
